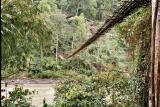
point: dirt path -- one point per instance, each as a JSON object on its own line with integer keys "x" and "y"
{"x": 30, "y": 81}
{"x": 45, "y": 88}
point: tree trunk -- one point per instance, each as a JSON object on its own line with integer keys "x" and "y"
{"x": 154, "y": 73}
{"x": 57, "y": 45}
{"x": 157, "y": 60}
{"x": 41, "y": 48}
{"x": 97, "y": 57}
{"x": 77, "y": 10}
{"x": 72, "y": 42}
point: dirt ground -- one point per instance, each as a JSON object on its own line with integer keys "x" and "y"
{"x": 45, "y": 88}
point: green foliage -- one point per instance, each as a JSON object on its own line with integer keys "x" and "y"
{"x": 81, "y": 25}
{"x": 92, "y": 9}
{"x": 119, "y": 88}
{"x": 50, "y": 74}
{"x": 101, "y": 89}
{"x": 137, "y": 30}
{"x": 36, "y": 38}
{"x": 34, "y": 30}
{"x": 50, "y": 63}
{"x": 21, "y": 31}
{"x": 78, "y": 92}
{"x": 79, "y": 65}
{"x": 47, "y": 6}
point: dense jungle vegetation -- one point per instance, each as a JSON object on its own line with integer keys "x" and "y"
{"x": 37, "y": 35}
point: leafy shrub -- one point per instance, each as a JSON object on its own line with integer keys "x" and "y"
{"x": 63, "y": 74}
{"x": 79, "y": 92}
{"x": 49, "y": 63}
{"x": 17, "y": 98}
{"x": 103, "y": 89}
{"x": 79, "y": 65}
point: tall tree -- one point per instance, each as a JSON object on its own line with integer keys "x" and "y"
{"x": 154, "y": 73}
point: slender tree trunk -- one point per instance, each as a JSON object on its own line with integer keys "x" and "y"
{"x": 157, "y": 60}
{"x": 151, "y": 88}
{"x": 57, "y": 39}
{"x": 77, "y": 10}
{"x": 113, "y": 4}
{"x": 97, "y": 51}
{"x": 72, "y": 42}
{"x": 67, "y": 6}
{"x": 41, "y": 48}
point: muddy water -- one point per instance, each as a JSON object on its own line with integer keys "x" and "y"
{"x": 44, "y": 89}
